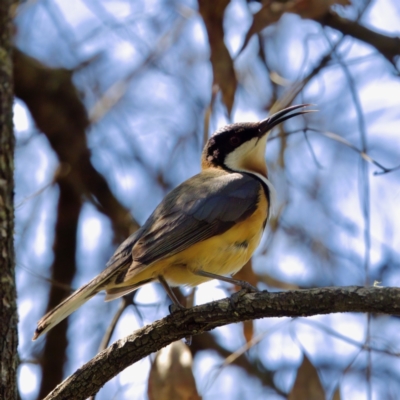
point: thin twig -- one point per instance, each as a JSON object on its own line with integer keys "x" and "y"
{"x": 340, "y": 139}
{"x": 246, "y": 347}
{"x": 361, "y": 346}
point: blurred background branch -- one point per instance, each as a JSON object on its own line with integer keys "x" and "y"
{"x": 114, "y": 101}
{"x": 58, "y": 112}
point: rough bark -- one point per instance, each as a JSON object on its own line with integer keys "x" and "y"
{"x": 8, "y": 306}
{"x": 93, "y": 375}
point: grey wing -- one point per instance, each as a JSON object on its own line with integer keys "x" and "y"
{"x": 200, "y": 208}
{"x": 119, "y": 263}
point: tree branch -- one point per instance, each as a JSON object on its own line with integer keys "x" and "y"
{"x": 93, "y": 375}
{"x": 62, "y": 270}
{"x": 8, "y": 303}
{"x": 59, "y": 113}
{"x": 388, "y": 46}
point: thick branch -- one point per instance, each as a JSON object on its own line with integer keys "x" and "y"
{"x": 8, "y": 304}
{"x": 297, "y": 303}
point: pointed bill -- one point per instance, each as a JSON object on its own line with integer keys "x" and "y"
{"x": 267, "y": 124}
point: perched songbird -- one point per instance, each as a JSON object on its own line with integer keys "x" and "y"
{"x": 206, "y": 228}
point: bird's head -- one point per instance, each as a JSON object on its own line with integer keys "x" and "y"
{"x": 241, "y": 146}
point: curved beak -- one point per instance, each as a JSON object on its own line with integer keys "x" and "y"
{"x": 267, "y": 124}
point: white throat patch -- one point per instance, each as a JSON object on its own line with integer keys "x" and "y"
{"x": 250, "y": 158}
{"x": 251, "y": 152}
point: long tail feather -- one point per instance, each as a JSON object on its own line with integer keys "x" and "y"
{"x": 118, "y": 263}
{"x": 117, "y": 292}
{"x": 67, "y": 307}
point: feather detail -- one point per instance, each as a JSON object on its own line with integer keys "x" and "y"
{"x": 67, "y": 307}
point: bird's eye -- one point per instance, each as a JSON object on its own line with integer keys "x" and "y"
{"x": 234, "y": 141}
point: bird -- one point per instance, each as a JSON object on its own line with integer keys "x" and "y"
{"x": 206, "y": 228}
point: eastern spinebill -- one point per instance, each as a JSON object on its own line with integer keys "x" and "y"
{"x": 206, "y": 228}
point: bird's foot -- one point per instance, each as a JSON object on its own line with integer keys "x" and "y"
{"x": 236, "y": 297}
{"x": 174, "y": 308}
{"x": 246, "y": 288}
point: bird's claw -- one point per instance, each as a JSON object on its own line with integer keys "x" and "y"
{"x": 236, "y": 297}
{"x": 247, "y": 287}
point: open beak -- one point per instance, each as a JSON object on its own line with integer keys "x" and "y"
{"x": 267, "y": 124}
